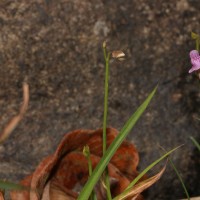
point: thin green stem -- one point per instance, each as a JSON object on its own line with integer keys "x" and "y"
{"x": 178, "y": 175}
{"x": 195, "y": 143}
{"x": 107, "y": 58}
{"x": 197, "y": 44}
{"x": 104, "y": 51}
{"x": 86, "y": 153}
{"x": 180, "y": 178}
{"x": 106, "y": 87}
{"x": 107, "y": 180}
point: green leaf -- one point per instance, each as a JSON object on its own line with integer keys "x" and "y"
{"x": 5, "y": 185}
{"x": 141, "y": 186}
{"x": 144, "y": 172}
{"x": 195, "y": 143}
{"x": 194, "y": 35}
{"x": 180, "y": 179}
{"x": 178, "y": 175}
{"x": 87, "y": 189}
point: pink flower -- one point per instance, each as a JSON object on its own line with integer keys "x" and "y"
{"x": 195, "y": 60}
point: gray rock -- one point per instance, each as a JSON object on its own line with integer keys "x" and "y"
{"x": 56, "y": 45}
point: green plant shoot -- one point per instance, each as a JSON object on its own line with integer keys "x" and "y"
{"x": 87, "y": 189}
{"x": 105, "y": 114}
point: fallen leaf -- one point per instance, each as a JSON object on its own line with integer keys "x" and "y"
{"x": 63, "y": 174}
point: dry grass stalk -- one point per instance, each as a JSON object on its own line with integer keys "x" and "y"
{"x": 12, "y": 124}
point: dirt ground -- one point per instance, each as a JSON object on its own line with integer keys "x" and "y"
{"x": 56, "y": 46}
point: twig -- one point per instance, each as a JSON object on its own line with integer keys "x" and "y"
{"x": 12, "y": 124}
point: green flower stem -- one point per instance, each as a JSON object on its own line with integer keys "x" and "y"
{"x": 86, "y": 153}
{"x": 107, "y": 182}
{"x": 106, "y": 87}
{"x": 107, "y": 58}
{"x": 197, "y": 44}
{"x": 196, "y": 37}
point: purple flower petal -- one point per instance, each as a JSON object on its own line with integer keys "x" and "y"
{"x": 194, "y": 69}
{"x": 195, "y": 60}
{"x": 194, "y": 54}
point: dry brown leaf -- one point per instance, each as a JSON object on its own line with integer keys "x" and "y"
{"x": 68, "y": 167}
{"x": 58, "y": 193}
{"x": 1, "y": 195}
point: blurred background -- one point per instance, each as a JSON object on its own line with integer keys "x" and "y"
{"x": 56, "y": 45}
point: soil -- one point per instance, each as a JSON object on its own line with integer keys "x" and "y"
{"x": 56, "y": 45}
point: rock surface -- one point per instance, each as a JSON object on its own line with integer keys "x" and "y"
{"x": 56, "y": 46}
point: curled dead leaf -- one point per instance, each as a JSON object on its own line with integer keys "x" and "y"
{"x": 62, "y": 175}
{"x": 1, "y": 195}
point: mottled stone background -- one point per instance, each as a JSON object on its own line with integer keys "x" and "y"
{"x": 56, "y": 45}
